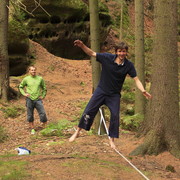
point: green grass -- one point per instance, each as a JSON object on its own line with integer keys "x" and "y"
{"x": 13, "y": 170}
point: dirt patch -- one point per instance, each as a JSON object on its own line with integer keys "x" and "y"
{"x": 89, "y": 157}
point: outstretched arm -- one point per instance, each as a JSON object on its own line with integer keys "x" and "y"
{"x": 87, "y": 50}
{"x": 141, "y": 88}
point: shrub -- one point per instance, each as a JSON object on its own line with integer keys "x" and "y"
{"x": 131, "y": 123}
{"x": 12, "y": 111}
{"x": 57, "y": 129}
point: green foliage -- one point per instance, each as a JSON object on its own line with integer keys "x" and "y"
{"x": 126, "y": 19}
{"x": 13, "y": 170}
{"x": 82, "y": 83}
{"x": 18, "y": 42}
{"x": 57, "y": 129}
{"x": 128, "y": 96}
{"x": 131, "y": 123}
{"x": 12, "y": 111}
{"x": 17, "y": 30}
{"x": 102, "y": 7}
{"x": 170, "y": 168}
{"x": 129, "y": 110}
{"x": 148, "y": 43}
{"x": 3, "y": 134}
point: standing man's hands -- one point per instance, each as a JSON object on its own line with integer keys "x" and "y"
{"x": 27, "y": 95}
{"x": 40, "y": 97}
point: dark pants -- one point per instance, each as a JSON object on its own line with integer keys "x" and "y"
{"x": 38, "y": 105}
{"x": 98, "y": 99}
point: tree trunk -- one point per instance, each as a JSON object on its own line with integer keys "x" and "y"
{"x": 162, "y": 126}
{"x": 139, "y": 53}
{"x": 95, "y": 46}
{"x": 121, "y": 22}
{"x": 4, "y": 60}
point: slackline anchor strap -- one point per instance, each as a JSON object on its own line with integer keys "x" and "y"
{"x": 102, "y": 120}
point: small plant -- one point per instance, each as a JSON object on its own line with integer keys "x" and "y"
{"x": 131, "y": 123}
{"x": 82, "y": 83}
{"x": 51, "y": 67}
{"x": 57, "y": 129}
{"x": 3, "y": 135}
{"x": 12, "y": 112}
{"x": 128, "y": 97}
{"x": 170, "y": 168}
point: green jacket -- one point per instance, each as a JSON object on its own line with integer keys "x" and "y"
{"x": 35, "y": 86}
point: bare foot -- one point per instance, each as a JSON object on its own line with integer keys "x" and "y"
{"x": 111, "y": 142}
{"x": 75, "y": 135}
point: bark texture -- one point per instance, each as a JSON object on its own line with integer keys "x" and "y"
{"x": 162, "y": 126}
{"x": 139, "y": 54}
{"x": 95, "y": 46}
{"x": 4, "y": 60}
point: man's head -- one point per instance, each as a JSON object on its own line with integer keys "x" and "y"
{"x": 32, "y": 70}
{"x": 121, "y": 50}
{"x": 121, "y": 46}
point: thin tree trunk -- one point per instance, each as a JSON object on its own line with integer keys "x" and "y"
{"x": 95, "y": 45}
{"x": 121, "y": 22}
{"x": 4, "y": 60}
{"x": 139, "y": 53}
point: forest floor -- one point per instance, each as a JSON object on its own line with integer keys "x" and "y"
{"x": 89, "y": 157}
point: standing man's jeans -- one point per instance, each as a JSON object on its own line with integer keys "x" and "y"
{"x": 31, "y": 104}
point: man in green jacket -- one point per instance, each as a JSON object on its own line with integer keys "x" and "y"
{"x": 34, "y": 89}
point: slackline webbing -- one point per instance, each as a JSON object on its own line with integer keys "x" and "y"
{"x": 102, "y": 120}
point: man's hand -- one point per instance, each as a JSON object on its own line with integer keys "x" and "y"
{"x": 78, "y": 43}
{"x": 27, "y": 95}
{"x": 40, "y": 97}
{"x": 86, "y": 49}
{"x": 147, "y": 95}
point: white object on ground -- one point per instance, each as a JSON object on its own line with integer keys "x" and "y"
{"x": 22, "y": 151}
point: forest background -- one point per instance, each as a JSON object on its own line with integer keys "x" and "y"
{"x": 46, "y": 28}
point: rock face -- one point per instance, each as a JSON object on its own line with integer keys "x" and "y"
{"x": 60, "y": 23}
{"x": 18, "y": 46}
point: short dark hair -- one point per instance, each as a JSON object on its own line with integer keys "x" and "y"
{"x": 121, "y": 45}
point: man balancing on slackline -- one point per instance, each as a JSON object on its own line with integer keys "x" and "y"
{"x": 115, "y": 67}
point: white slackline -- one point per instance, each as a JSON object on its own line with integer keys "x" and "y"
{"x": 102, "y": 120}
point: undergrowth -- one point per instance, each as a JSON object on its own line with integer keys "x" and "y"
{"x": 12, "y": 111}
{"x": 3, "y": 134}
{"x": 57, "y": 129}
